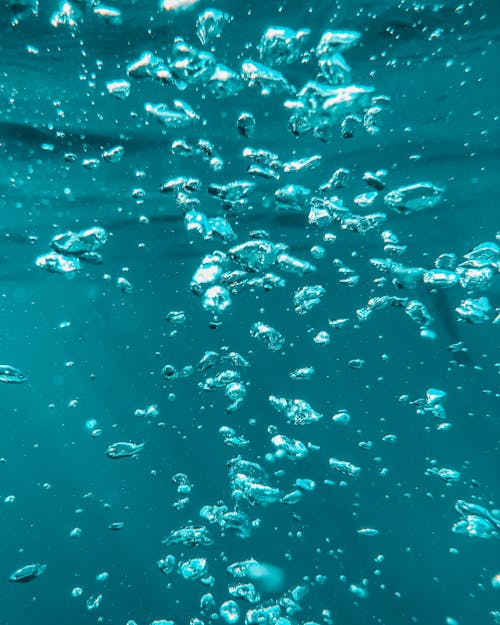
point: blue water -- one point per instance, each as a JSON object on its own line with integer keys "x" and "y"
{"x": 384, "y": 539}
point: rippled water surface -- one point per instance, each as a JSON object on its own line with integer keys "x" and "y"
{"x": 250, "y": 258}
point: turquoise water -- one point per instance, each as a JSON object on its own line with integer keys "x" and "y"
{"x": 249, "y": 308}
